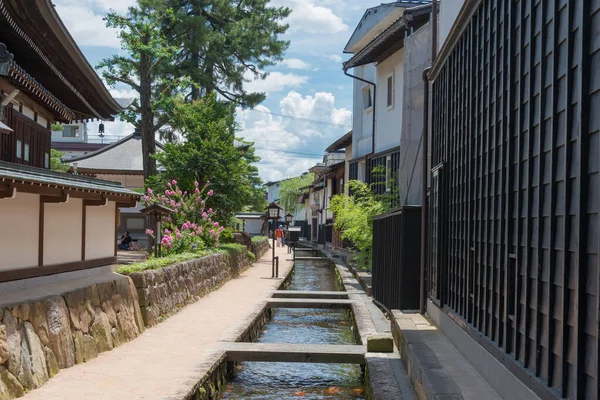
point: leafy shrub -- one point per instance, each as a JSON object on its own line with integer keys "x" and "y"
{"x": 353, "y": 217}
{"x": 259, "y": 239}
{"x": 226, "y": 236}
{"x": 252, "y": 257}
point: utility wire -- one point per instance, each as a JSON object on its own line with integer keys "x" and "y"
{"x": 300, "y": 118}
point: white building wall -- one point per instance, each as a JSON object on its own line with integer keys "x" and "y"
{"x": 449, "y": 10}
{"x": 62, "y": 231}
{"x": 19, "y": 236}
{"x": 253, "y": 226}
{"x": 347, "y": 168}
{"x": 388, "y": 127}
{"x": 100, "y": 231}
{"x": 362, "y": 120}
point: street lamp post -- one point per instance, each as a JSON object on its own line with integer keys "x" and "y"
{"x": 288, "y": 219}
{"x": 273, "y": 214}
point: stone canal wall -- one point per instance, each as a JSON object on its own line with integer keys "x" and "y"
{"x": 260, "y": 247}
{"x": 162, "y": 292}
{"x": 38, "y": 339}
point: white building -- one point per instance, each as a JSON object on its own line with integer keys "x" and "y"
{"x": 380, "y": 66}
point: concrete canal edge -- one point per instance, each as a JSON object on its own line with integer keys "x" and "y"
{"x": 218, "y": 367}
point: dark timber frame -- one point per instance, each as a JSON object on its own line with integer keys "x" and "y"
{"x": 515, "y": 197}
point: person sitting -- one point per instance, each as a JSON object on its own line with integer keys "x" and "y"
{"x": 125, "y": 241}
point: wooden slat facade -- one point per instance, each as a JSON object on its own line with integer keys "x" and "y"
{"x": 33, "y": 140}
{"x": 515, "y": 189}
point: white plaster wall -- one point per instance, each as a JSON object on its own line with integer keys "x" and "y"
{"x": 100, "y": 231}
{"x": 253, "y": 226}
{"x": 19, "y": 225}
{"x": 389, "y": 120}
{"x": 362, "y": 120}
{"x": 62, "y": 232}
{"x": 127, "y": 181}
{"x": 449, "y": 10}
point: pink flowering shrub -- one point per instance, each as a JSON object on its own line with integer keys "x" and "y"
{"x": 191, "y": 227}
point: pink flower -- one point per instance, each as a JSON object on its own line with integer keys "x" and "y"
{"x": 204, "y": 215}
{"x": 149, "y": 191}
{"x": 168, "y": 184}
{"x": 212, "y": 232}
{"x": 174, "y": 182}
{"x": 167, "y": 192}
{"x": 146, "y": 198}
{"x": 202, "y": 202}
{"x": 178, "y": 235}
{"x": 221, "y": 228}
{"x": 167, "y": 232}
{"x": 216, "y": 224}
{"x": 196, "y": 183}
{"x": 210, "y": 210}
{"x": 210, "y": 192}
{"x": 197, "y": 191}
{"x": 149, "y": 232}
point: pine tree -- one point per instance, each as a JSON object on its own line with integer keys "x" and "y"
{"x": 226, "y": 42}
{"x": 144, "y": 69}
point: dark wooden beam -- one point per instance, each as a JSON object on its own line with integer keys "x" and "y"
{"x": 93, "y": 203}
{"x": 125, "y": 203}
{"x": 41, "y": 236}
{"x": 63, "y": 198}
{"x": 8, "y": 192}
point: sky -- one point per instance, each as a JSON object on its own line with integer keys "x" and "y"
{"x": 309, "y": 99}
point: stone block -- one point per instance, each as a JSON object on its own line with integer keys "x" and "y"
{"x": 10, "y": 387}
{"x": 60, "y": 338}
{"x": 4, "y": 354}
{"x": 51, "y": 362}
{"x": 13, "y": 341}
{"x": 383, "y": 343}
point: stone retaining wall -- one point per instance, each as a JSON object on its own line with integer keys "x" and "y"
{"x": 162, "y": 292}
{"x": 39, "y": 338}
{"x": 259, "y": 249}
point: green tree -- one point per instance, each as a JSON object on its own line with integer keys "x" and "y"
{"x": 354, "y": 215}
{"x": 209, "y": 154}
{"x": 223, "y": 42}
{"x": 144, "y": 69}
{"x": 291, "y": 189}
{"x": 56, "y": 163}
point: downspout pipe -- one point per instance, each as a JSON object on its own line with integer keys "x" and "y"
{"x": 374, "y": 105}
{"x": 425, "y": 206}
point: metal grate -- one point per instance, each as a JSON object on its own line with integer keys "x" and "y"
{"x": 516, "y": 122}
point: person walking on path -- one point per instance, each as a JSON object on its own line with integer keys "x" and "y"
{"x": 279, "y": 235}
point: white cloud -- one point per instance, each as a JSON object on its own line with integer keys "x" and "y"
{"x": 275, "y": 82}
{"x": 309, "y": 17}
{"x": 290, "y": 144}
{"x": 335, "y": 57}
{"x": 86, "y": 27}
{"x": 295, "y": 63}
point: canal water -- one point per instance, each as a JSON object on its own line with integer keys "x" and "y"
{"x": 262, "y": 380}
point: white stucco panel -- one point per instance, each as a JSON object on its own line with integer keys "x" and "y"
{"x": 389, "y": 119}
{"x": 100, "y": 231}
{"x": 19, "y": 222}
{"x": 62, "y": 232}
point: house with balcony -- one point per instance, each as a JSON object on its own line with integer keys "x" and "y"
{"x": 390, "y": 48}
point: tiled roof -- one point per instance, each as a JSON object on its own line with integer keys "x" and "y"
{"x": 26, "y": 174}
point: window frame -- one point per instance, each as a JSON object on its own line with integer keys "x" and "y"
{"x": 367, "y": 93}
{"x": 391, "y": 91}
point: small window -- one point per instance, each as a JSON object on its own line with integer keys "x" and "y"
{"x": 46, "y": 160}
{"x": 388, "y": 174}
{"x": 390, "y": 91}
{"x": 367, "y": 100}
{"x": 19, "y": 149}
{"x": 71, "y": 131}
{"x": 26, "y": 152}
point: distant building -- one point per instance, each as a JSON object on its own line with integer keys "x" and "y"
{"x": 387, "y": 88}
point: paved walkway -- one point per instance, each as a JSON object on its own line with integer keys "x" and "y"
{"x": 167, "y": 358}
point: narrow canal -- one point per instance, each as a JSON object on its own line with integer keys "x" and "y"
{"x": 265, "y": 380}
